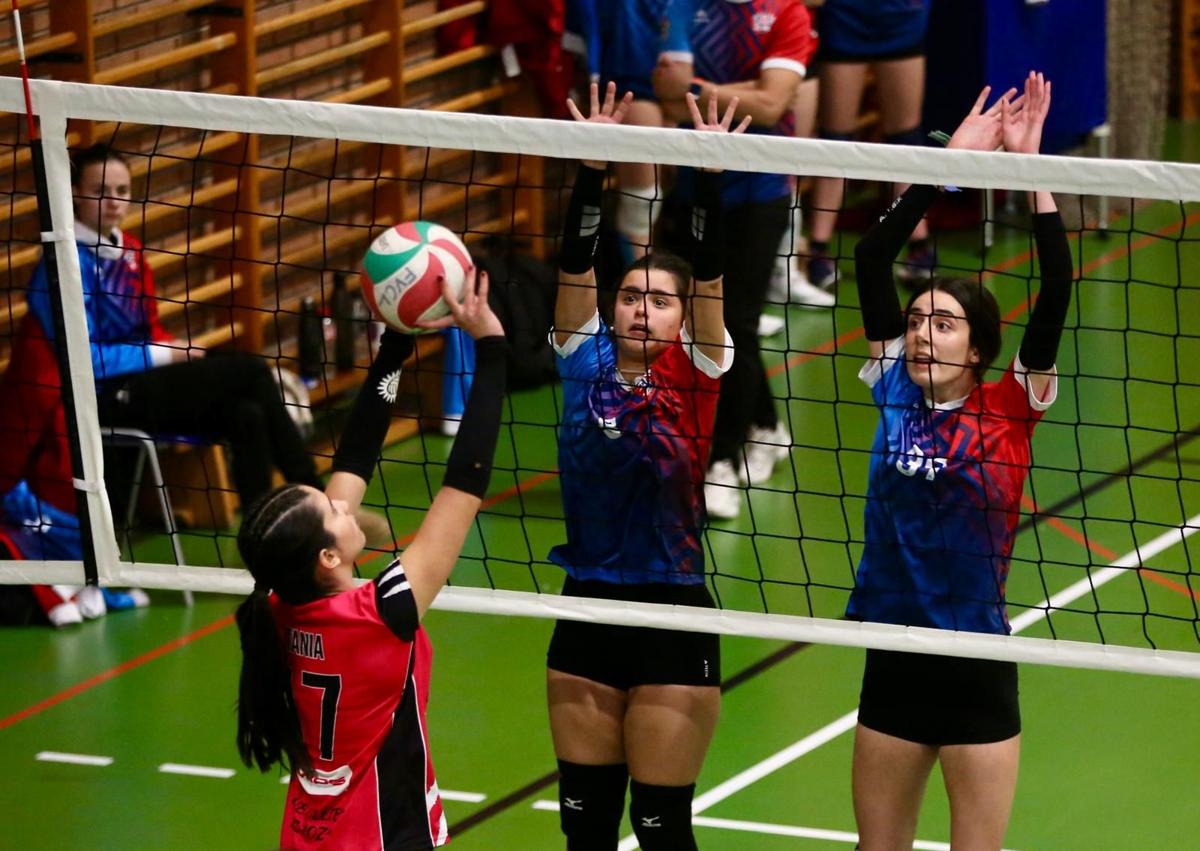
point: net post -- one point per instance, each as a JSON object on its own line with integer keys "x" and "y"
{"x": 52, "y": 177}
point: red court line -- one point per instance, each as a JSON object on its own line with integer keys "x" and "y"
{"x": 1103, "y": 551}
{"x": 520, "y": 487}
{"x": 534, "y": 481}
{"x": 116, "y": 671}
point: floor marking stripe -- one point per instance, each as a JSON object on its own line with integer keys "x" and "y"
{"x": 73, "y": 758}
{"x": 804, "y": 832}
{"x": 196, "y": 770}
{"x": 105, "y": 676}
{"x": 468, "y": 797}
{"x": 1023, "y": 621}
{"x": 777, "y": 829}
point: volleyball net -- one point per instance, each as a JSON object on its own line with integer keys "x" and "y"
{"x": 255, "y": 214}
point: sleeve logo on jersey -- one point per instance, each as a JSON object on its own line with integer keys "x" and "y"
{"x": 310, "y": 645}
{"x": 389, "y": 387}
{"x": 913, "y": 461}
{"x": 763, "y": 21}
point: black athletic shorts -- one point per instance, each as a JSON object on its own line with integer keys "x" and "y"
{"x": 939, "y": 700}
{"x": 625, "y": 656}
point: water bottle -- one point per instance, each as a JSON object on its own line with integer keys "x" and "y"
{"x": 312, "y": 343}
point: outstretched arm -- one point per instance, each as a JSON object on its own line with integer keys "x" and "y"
{"x": 362, "y": 438}
{"x": 873, "y": 256}
{"x": 1039, "y": 347}
{"x": 706, "y": 321}
{"x": 576, "y": 303}
{"x": 439, "y": 540}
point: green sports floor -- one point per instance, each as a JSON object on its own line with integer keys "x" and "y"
{"x": 1110, "y": 761}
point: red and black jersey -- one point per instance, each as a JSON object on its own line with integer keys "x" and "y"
{"x": 359, "y": 665}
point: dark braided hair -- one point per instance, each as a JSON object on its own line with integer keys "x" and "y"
{"x": 281, "y": 537}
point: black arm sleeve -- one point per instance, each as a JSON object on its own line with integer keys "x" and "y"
{"x": 1039, "y": 346}
{"x": 707, "y": 243}
{"x": 469, "y": 466}
{"x": 873, "y": 258}
{"x": 581, "y": 227}
{"x": 362, "y": 438}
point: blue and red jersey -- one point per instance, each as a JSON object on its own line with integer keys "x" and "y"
{"x": 359, "y": 664}
{"x": 120, "y": 302}
{"x": 731, "y": 42}
{"x": 632, "y": 461}
{"x": 943, "y": 501}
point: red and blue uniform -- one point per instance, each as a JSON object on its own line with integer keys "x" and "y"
{"x": 632, "y": 461}
{"x": 359, "y": 665}
{"x": 943, "y": 500}
{"x": 119, "y": 300}
{"x": 732, "y": 42}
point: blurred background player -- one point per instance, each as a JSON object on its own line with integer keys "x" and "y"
{"x": 757, "y": 52}
{"x": 886, "y": 37}
{"x": 948, "y": 468}
{"x": 335, "y": 676}
{"x": 145, "y": 378}
{"x": 635, "y": 704}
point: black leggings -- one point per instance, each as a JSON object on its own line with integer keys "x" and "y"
{"x": 752, "y": 234}
{"x": 229, "y": 397}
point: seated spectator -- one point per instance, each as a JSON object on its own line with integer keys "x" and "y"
{"x": 147, "y": 379}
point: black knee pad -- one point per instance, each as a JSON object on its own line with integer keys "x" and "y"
{"x": 834, "y": 136}
{"x": 913, "y": 136}
{"x": 662, "y": 816}
{"x": 591, "y": 801}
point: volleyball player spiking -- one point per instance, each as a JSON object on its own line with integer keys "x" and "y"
{"x": 335, "y": 677}
{"x": 948, "y": 467}
{"x": 639, "y": 399}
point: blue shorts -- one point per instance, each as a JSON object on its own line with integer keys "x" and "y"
{"x": 854, "y": 31}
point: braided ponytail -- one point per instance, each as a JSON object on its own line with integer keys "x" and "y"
{"x": 279, "y": 541}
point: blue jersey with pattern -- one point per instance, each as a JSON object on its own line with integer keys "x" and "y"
{"x": 733, "y": 42}
{"x": 632, "y": 461}
{"x": 943, "y": 501}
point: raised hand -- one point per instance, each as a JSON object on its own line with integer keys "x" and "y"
{"x": 611, "y": 111}
{"x": 981, "y": 130}
{"x": 1022, "y": 121}
{"x": 714, "y": 124}
{"x": 474, "y": 315}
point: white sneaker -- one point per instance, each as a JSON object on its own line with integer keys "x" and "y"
{"x": 765, "y": 447}
{"x": 722, "y": 494}
{"x": 64, "y": 614}
{"x": 790, "y": 285}
{"x": 90, "y": 600}
{"x": 769, "y": 326}
{"x": 450, "y": 424}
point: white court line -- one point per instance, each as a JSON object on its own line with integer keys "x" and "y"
{"x": 1025, "y": 620}
{"x": 779, "y": 829}
{"x": 469, "y": 797}
{"x": 196, "y": 770}
{"x": 73, "y": 758}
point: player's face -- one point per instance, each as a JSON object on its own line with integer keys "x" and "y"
{"x": 348, "y": 538}
{"x": 941, "y": 358}
{"x": 102, "y": 195}
{"x": 648, "y": 315}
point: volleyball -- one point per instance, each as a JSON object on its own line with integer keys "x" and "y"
{"x": 403, "y": 270}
